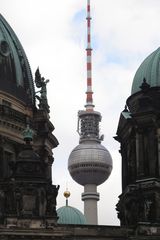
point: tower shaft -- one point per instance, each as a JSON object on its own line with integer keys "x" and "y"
{"x": 90, "y": 198}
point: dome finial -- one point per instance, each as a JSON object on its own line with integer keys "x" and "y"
{"x": 67, "y": 195}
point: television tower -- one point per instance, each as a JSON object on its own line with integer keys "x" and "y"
{"x": 90, "y": 163}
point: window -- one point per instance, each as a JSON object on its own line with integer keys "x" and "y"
{"x": 6, "y": 103}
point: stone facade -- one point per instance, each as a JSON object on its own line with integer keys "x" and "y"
{"x": 79, "y": 232}
{"x": 138, "y": 133}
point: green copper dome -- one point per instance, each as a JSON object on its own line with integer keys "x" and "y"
{"x": 15, "y": 74}
{"x": 70, "y": 215}
{"x": 149, "y": 70}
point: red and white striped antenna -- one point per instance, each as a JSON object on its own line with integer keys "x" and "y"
{"x": 89, "y": 100}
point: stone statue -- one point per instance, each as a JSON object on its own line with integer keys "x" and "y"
{"x": 51, "y": 199}
{"x": 2, "y": 196}
{"x": 41, "y": 83}
{"x": 18, "y": 198}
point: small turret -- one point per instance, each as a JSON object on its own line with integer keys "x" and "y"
{"x": 68, "y": 214}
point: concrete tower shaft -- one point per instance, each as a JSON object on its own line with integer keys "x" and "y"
{"x": 90, "y": 198}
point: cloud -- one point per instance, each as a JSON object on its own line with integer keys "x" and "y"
{"x": 127, "y": 25}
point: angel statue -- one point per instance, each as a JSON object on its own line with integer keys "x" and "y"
{"x": 41, "y": 83}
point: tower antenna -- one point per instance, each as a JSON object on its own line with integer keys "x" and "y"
{"x": 89, "y": 100}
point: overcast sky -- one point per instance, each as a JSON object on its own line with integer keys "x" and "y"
{"x": 53, "y": 34}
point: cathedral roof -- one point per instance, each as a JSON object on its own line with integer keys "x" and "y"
{"x": 15, "y": 74}
{"x": 70, "y": 215}
{"x": 148, "y": 70}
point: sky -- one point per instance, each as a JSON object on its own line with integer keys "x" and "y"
{"x": 53, "y": 34}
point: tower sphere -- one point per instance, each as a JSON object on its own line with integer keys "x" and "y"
{"x": 90, "y": 163}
